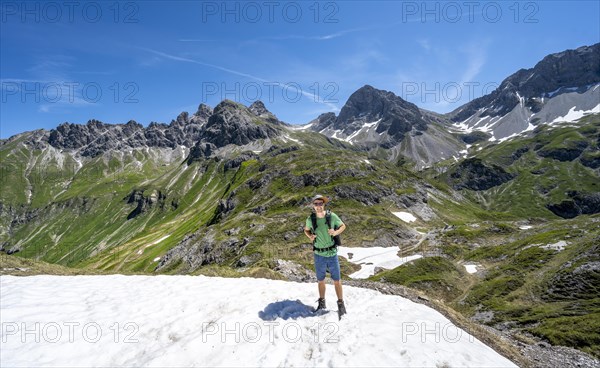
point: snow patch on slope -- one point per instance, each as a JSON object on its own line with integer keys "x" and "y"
{"x": 405, "y": 216}
{"x": 372, "y": 257}
{"x": 573, "y": 114}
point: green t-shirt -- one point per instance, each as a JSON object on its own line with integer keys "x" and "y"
{"x": 324, "y": 240}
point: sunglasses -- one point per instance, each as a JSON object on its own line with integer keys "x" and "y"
{"x": 318, "y": 203}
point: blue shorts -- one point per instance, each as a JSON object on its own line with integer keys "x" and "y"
{"x": 323, "y": 264}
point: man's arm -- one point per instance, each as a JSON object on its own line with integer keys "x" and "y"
{"x": 337, "y": 221}
{"x": 338, "y": 231}
{"x": 309, "y": 234}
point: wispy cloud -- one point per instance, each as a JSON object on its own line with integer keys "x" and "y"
{"x": 424, "y": 44}
{"x": 52, "y": 65}
{"x": 54, "y": 89}
{"x": 322, "y": 37}
{"x": 5, "y": 81}
{"x": 195, "y": 40}
{"x": 92, "y": 72}
{"x": 476, "y": 54}
{"x": 325, "y": 37}
{"x": 188, "y": 60}
{"x": 313, "y": 96}
{"x": 280, "y": 38}
{"x": 440, "y": 77}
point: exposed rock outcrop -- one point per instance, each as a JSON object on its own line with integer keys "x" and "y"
{"x": 201, "y": 248}
{"x": 578, "y": 278}
{"x": 233, "y": 123}
{"x": 145, "y": 201}
{"x": 474, "y": 174}
{"x": 564, "y": 153}
{"x": 578, "y": 204}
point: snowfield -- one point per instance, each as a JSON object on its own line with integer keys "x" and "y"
{"x": 370, "y": 258}
{"x": 405, "y": 216}
{"x": 471, "y": 268}
{"x": 182, "y": 321}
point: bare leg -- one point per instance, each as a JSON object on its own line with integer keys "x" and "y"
{"x": 322, "y": 289}
{"x": 338, "y": 289}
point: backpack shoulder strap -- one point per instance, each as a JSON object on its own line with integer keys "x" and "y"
{"x": 328, "y": 218}
{"x": 313, "y": 219}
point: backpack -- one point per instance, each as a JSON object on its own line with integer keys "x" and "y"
{"x": 337, "y": 241}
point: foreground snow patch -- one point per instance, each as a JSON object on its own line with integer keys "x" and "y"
{"x": 372, "y": 257}
{"x": 181, "y": 321}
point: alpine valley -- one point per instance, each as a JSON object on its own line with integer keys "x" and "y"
{"x": 508, "y": 183}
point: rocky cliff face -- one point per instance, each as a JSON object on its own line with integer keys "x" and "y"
{"x": 395, "y": 116}
{"x": 475, "y": 175}
{"x": 233, "y": 123}
{"x": 542, "y": 94}
{"x": 95, "y": 137}
{"x": 258, "y": 109}
{"x": 567, "y": 69}
{"x": 205, "y": 131}
{"x": 322, "y": 122}
{"x": 370, "y": 113}
{"x": 373, "y": 118}
{"x": 577, "y": 204}
{"x": 199, "y": 249}
{"x": 146, "y": 201}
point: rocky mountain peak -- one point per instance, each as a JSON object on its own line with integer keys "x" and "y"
{"x": 94, "y": 125}
{"x": 183, "y": 118}
{"x": 570, "y": 68}
{"x": 367, "y": 105}
{"x": 374, "y": 118}
{"x": 234, "y": 123}
{"x": 554, "y": 74}
{"x": 229, "y": 123}
{"x": 366, "y": 102}
{"x": 323, "y": 121}
{"x": 132, "y": 127}
{"x": 200, "y": 117}
{"x": 226, "y": 106}
{"x": 258, "y": 107}
{"x": 204, "y": 111}
{"x": 134, "y": 124}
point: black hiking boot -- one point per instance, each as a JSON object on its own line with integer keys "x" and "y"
{"x": 321, "y": 304}
{"x": 341, "y": 309}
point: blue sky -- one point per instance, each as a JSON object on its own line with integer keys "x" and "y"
{"x": 148, "y": 61}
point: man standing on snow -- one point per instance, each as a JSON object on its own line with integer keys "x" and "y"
{"x": 321, "y": 228}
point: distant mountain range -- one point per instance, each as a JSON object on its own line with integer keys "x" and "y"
{"x": 561, "y": 88}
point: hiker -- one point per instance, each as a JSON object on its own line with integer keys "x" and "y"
{"x": 321, "y": 228}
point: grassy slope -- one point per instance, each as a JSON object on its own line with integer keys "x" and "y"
{"x": 539, "y": 181}
{"x": 518, "y": 273}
